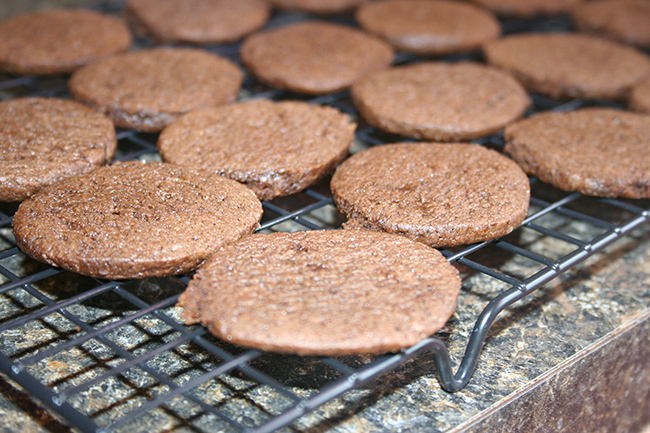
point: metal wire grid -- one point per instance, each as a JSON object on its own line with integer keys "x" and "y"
{"x": 175, "y": 364}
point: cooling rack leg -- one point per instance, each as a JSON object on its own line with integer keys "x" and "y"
{"x": 455, "y": 382}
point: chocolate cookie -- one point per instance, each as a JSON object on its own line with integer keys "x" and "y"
{"x": 43, "y": 140}
{"x": 640, "y": 96}
{"x": 528, "y": 8}
{"x": 135, "y": 220}
{"x": 317, "y": 6}
{"x": 429, "y": 27}
{"x": 146, "y": 90}
{"x": 439, "y": 194}
{"x": 568, "y": 65}
{"x": 595, "y": 151}
{"x": 314, "y": 57}
{"x": 275, "y": 148}
{"x": 325, "y": 292}
{"x": 59, "y": 41}
{"x": 197, "y": 21}
{"x": 440, "y": 101}
{"x": 622, "y": 20}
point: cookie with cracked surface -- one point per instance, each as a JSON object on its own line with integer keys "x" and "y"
{"x": 135, "y": 220}
{"x": 596, "y": 151}
{"x": 435, "y": 27}
{"x": 640, "y": 96}
{"x": 440, "y": 101}
{"x": 314, "y": 57}
{"x": 59, "y": 41}
{"x": 528, "y": 8}
{"x": 325, "y": 292}
{"x": 570, "y": 65}
{"x": 43, "y": 140}
{"x": 146, "y": 90}
{"x": 275, "y": 148}
{"x": 322, "y": 7}
{"x": 197, "y": 21}
{"x": 622, "y": 20}
{"x": 440, "y": 194}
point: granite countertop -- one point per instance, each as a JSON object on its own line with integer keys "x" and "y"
{"x": 551, "y": 362}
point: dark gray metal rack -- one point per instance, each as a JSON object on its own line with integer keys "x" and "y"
{"x": 123, "y": 307}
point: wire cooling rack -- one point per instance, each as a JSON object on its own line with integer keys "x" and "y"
{"x": 107, "y": 355}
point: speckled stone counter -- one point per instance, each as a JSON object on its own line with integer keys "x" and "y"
{"x": 573, "y": 356}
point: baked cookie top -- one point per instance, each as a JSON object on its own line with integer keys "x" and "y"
{"x": 197, "y": 21}
{"x": 435, "y": 27}
{"x": 134, "y": 220}
{"x": 528, "y": 8}
{"x": 43, "y": 140}
{"x": 59, "y": 41}
{"x": 439, "y": 194}
{"x": 317, "y": 6}
{"x": 146, "y": 90}
{"x": 570, "y": 65}
{"x": 324, "y": 292}
{"x": 314, "y": 57}
{"x": 623, "y": 20}
{"x": 275, "y": 148}
{"x": 595, "y": 151}
{"x": 440, "y": 101}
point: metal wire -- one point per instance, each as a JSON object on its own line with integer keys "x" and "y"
{"x": 210, "y": 360}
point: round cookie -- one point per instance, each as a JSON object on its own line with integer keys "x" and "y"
{"x": 314, "y": 57}
{"x": 528, "y": 8}
{"x": 197, "y": 21}
{"x": 317, "y": 6}
{"x": 275, "y": 148}
{"x": 435, "y": 27}
{"x": 59, "y": 41}
{"x": 440, "y": 194}
{"x": 43, "y": 140}
{"x": 596, "y": 151}
{"x": 622, "y": 20}
{"x": 440, "y": 101}
{"x": 146, "y": 90}
{"x": 640, "y": 96}
{"x": 135, "y": 220}
{"x": 324, "y": 292}
{"x": 569, "y": 65}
